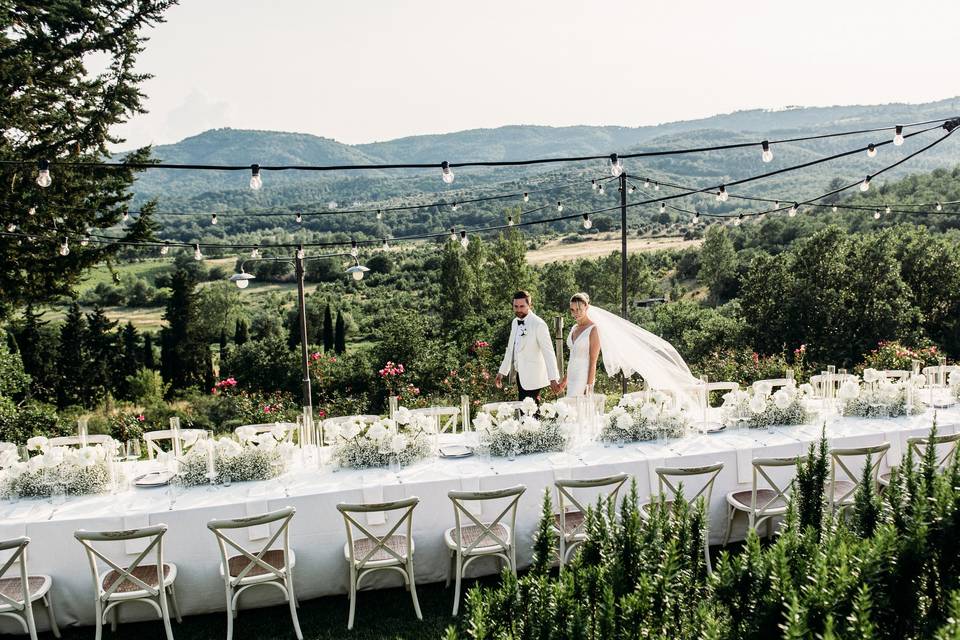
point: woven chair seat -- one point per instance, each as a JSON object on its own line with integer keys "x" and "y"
{"x": 273, "y": 557}
{"x": 647, "y": 507}
{"x": 841, "y": 488}
{"x": 741, "y": 500}
{"x": 13, "y": 587}
{"x": 363, "y": 546}
{"x": 474, "y": 534}
{"x": 146, "y": 573}
{"x": 884, "y": 479}
{"x": 573, "y": 521}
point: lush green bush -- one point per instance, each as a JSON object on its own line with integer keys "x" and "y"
{"x": 13, "y": 379}
{"x": 895, "y": 355}
{"x": 17, "y": 424}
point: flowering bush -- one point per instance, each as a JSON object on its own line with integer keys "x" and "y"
{"x": 78, "y": 471}
{"x": 894, "y": 355}
{"x": 761, "y": 407}
{"x": 392, "y": 376}
{"x": 362, "y": 446}
{"x": 635, "y": 419}
{"x": 256, "y": 457}
{"x": 879, "y": 397}
{"x": 224, "y": 386}
{"x": 127, "y": 426}
{"x": 507, "y": 432}
{"x": 475, "y": 378}
{"x": 744, "y": 366}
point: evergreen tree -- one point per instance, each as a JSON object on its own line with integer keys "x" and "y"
{"x": 38, "y": 350}
{"x": 223, "y": 341}
{"x": 12, "y": 345}
{"x": 130, "y": 361}
{"x": 149, "y": 360}
{"x": 293, "y": 331}
{"x": 718, "y": 263}
{"x": 182, "y": 350}
{"x": 240, "y": 333}
{"x": 545, "y": 540}
{"x": 72, "y": 358}
{"x": 209, "y": 377}
{"x": 327, "y": 329}
{"x": 101, "y": 352}
{"x": 455, "y": 303}
{"x": 866, "y": 503}
{"x": 340, "y": 338}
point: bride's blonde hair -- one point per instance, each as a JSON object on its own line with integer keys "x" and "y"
{"x": 580, "y": 298}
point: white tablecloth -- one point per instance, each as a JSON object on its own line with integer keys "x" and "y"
{"x": 317, "y": 530}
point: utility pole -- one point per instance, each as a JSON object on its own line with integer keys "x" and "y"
{"x": 305, "y": 356}
{"x": 623, "y": 261}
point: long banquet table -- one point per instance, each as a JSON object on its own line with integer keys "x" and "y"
{"x": 317, "y": 530}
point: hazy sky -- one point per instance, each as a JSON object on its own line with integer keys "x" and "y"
{"x": 360, "y": 71}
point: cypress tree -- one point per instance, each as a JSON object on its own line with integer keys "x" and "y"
{"x": 223, "y": 341}
{"x": 293, "y": 331}
{"x": 12, "y": 345}
{"x": 340, "y": 339}
{"x": 182, "y": 349}
{"x": 327, "y": 329}
{"x": 240, "y": 333}
{"x": 38, "y": 350}
{"x": 102, "y": 354}
{"x": 73, "y": 358}
{"x": 209, "y": 378}
{"x": 149, "y": 360}
{"x": 131, "y": 359}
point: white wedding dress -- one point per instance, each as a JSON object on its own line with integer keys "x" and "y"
{"x": 630, "y": 349}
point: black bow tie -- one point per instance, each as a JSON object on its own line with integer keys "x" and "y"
{"x": 520, "y": 321}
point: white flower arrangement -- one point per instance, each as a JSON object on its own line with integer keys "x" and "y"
{"x": 953, "y": 381}
{"x": 762, "y": 407}
{"x": 879, "y": 397}
{"x": 636, "y": 419}
{"x": 257, "y": 457}
{"x": 78, "y": 471}
{"x": 361, "y": 446}
{"x": 531, "y": 431}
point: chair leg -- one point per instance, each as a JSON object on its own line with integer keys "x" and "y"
{"x": 31, "y": 623}
{"x": 48, "y": 600}
{"x": 165, "y": 614}
{"x": 563, "y": 550}
{"x": 99, "y": 610}
{"x": 229, "y": 612}
{"x": 353, "y": 596}
{"x": 706, "y": 550}
{"x": 288, "y": 583}
{"x": 456, "y": 589}
{"x": 731, "y": 514}
{"x": 115, "y": 619}
{"x": 513, "y": 560}
{"x": 413, "y": 589}
{"x": 449, "y": 570}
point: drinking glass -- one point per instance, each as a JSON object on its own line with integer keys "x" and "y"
{"x": 132, "y": 449}
{"x": 227, "y": 480}
{"x": 24, "y": 453}
{"x": 174, "y": 489}
{"x": 395, "y": 467}
{"x": 620, "y": 442}
{"x": 58, "y": 494}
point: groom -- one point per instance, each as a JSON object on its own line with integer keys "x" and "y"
{"x": 529, "y": 352}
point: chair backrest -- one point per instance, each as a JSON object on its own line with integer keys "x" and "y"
{"x": 672, "y": 477}
{"x": 775, "y": 382}
{"x": 703, "y": 390}
{"x": 493, "y": 407}
{"x": 894, "y": 374}
{"x": 567, "y": 490}
{"x": 154, "y": 535}
{"x": 18, "y": 556}
{"x": 938, "y": 377}
{"x": 378, "y": 542}
{"x": 839, "y": 459}
{"x": 446, "y": 418}
{"x": 486, "y": 531}
{"x": 763, "y": 474}
{"x": 256, "y": 429}
{"x": 328, "y": 439}
{"x": 188, "y": 437}
{"x": 221, "y": 530}
{"x": 819, "y": 382}
{"x": 946, "y": 447}
{"x": 74, "y": 441}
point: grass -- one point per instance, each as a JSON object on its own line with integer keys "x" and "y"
{"x": 384, "y": 613}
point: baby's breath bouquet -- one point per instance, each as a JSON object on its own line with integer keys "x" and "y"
{"x": 361, "y": 446}
{"x": 78, "y": 471}
{"x": 879, "y": 397}
{"x": 253, "y": 456}
{"x": 532, "y": 431}
{"x": 762, "y": 407}
{"x": 954, "y": 382}
{"x": 636, "y": 419}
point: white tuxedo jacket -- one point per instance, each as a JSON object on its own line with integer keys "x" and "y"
{"x": 536, "y": 362}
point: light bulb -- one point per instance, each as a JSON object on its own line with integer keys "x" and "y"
{"x": 559, "y": 206}
{"x": 509, "y": 221}
{"x": 587, "y": 222}
{"x": 656, "y": 186}
{"x": 196, "y": 252}
{"x": 871, "y": 151}
{"x": 299, "y": 218}
{"x": 600, "y": 190}
{"x": 616, "y": 166}
{"x": 646, "y": 183}
{"x": 898, "y": 135}
{"x": 593, "y": 185}
{"x": 379, "y": 214}
{"x": 65, "y": 248}
{"x": 300, "y": 254}
{"x": 453, "y": 234}
{"x": 358, "y": 275}
{"x": 834, "y": 208}
{"x": 213, "y": 218}
{"x": 876, "y": 214}
{"x": 887, "y": 210}
{"x": 84, "y": 241}
{"x": 663, "y": 208}
{"x": 793, "y": 210}
{"x": 31, "y": 211}
{"x": 464, "y": 240}
{"x": 766, "y": 155}
{"x": 526, "y": 197}
{"x": 43, "y": 177}
{"x": 631, "y": 189}
{"x": 738, "y": 220}
{"x": 255, "y": 252}
{"x": 865, "y": 185}
{"x": 256, "y": 182}
{"x": 722, "y": 195}
{"x": 11, "y": 227}
{"x": 446, "y": 173}
{"x": 126, "y": 216}
{"x": 164, "y": 249}
{"x": 386, "y": 245}
{"x": 456, "y": 206}
{"x": 696, "y": 217}
{"x": 242, "y": 283}
{"x": 353, "y": 248}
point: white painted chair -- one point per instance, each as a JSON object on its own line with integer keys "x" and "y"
{"x": 766, "y": 499}
{"x": 188, "y": 437}
{"x": 136, "y": 582}
{"x": 447, "y": 418}
{"x": 372, "y": 552}
{"x": 947, "y": 447}
{"x": 242, "y": 568}
{"x": 775, "y": 383}
{"x": 669, "y": 483}
{"x": 17, "y": 594}
{"x": 935, "y": 377}
{"x": 841, "y": 491}
{"x": 481, "y": 538}
{"x": 570, "y": 523}
{"x": 257, "y": 429}
{"x": 894, "y": 375}
{"x": 74, "y": 441}
{"x": 819, "y": 383}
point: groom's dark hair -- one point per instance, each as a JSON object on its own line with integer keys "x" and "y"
{"x": 522, "y": 295}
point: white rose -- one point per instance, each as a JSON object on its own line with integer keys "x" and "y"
{"x": 389, "y": 424}
{"x": 919, "y": 380}
{"x": 548, "y": 411}
{"x": 88, "y": 456}
{"x": 36, "y": 443}
{"x": 782, "y": 399}
{"x": 528, "y": 406}
{"x": 8, "y": 458}
{"x": 510, "y": 426}
{"x": 806, "y": 389}
{"x": 758, "y": 403}
{"x": 331, "y": 431}
{"x": 504, "y": 413}
{"x": 849, "y": 390}
{"x": 729, "y": 398}
{"x": 563, "y": 411}
{"x": 889, "y": 392}
{"x": 741, "y": 396}
{"x": 36, "y": 462}
{"x": 871, "y": 375}
{"x": 398, "y": 443}
{"x": 53, "y": 457}
{"x": 402, "y": 415}
{"x": 349, "y": 430}
{"x": 530, "y": 424}
{"x": 279, "y": 432}
{"x": 763, "y": 388}
{"x": 245, "y": 433}
{"x": 377, "y": 431}
{"x": 649, "y": 412}
{"x": 225, "y": 446}
{"x": 482, "y": 422}
{"x": 624, "y": 421}
{"x": 427, "y": 423}
{"x": 659, "y": 397}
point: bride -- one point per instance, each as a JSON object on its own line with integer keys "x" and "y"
{"x": 626, "y": 348}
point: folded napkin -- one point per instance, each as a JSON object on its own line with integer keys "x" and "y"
{"x": 257, "y": 506}
{"x": 471, "y": 484}
{"x": 136, "y": 521}
{"x": 373, "y": 493}
{"x": 744, "y": 465}
{"x": 895, "y": 452}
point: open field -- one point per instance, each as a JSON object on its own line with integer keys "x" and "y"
{"x": 556, "y": 250}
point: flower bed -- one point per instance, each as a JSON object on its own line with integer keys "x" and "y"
{"x": 532, "y": 431}
{"x": 635, "y": 419}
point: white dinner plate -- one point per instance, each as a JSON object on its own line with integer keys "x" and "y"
{"x": 153, "y": 479}
{"x": 455, "y": 451}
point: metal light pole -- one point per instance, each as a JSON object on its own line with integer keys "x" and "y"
{"x": 623, "y": 261}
